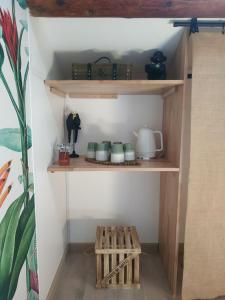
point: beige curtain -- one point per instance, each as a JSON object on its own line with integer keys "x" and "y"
{"x": 204, "y": 252}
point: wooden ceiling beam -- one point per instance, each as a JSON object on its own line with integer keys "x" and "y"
{"x": 128, "y": 8}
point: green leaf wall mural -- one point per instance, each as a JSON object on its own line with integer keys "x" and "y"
{"x": 23, "y": 3}
{"x": 11, "y": 139}
{"x": 17, "y": 225}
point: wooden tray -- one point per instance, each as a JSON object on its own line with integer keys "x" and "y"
{"x": 109, "y": 163}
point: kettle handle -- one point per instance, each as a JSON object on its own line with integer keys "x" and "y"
{"x": 161, "y": 140}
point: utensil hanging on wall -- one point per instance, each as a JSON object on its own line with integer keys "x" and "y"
{"x": 73, "y": 126}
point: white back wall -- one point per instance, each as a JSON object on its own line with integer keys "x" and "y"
{"x": 115, "y": 119}
{"x": 113, "y": 198}
{"x": 68, "y": 40}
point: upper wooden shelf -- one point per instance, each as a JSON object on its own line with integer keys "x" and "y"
{"x": 110, "y": 88}
{"x": 80, "y": 164}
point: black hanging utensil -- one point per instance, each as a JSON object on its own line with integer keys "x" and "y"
{"x": 73, "y": 125}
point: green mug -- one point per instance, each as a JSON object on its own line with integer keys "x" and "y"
{"x": 108, "y": 143}
{"x": 117, "y": 143}
{"x": 91, "y": 150}
{"x": 129, "y": 152}
{"x": 92, "y": 146}
{"x": 128, "y": 147}
{"x": 117, "y": 153}
{"x": 102, "y": 152}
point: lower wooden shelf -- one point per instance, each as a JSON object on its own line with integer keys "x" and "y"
{"x": 80, "y": 164}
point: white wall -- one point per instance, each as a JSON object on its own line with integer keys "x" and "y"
{"x": 113, "y": 198}
{"x": 109, "y": 198}
{"x": 47, "y": 128}
{"x": 69, "y": 40}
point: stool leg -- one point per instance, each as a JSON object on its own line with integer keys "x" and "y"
{"x": 136, "y": 270}
{"x": 99, "y": 270}
{"x": 106, "y": 266}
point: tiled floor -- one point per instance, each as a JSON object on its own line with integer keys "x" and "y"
{"x": 78, "y": 280}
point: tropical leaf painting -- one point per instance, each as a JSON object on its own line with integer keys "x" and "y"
{"x": 11, "y": 138}
{"x": 31, "y": 181}
{"x": 17, "y": 225}
{"x": 8, "y": 229}
{"x": 33, "y": 295}
{"x": 24, "y": 234}
{"x": 22, "y": 3}
{"x": 16, "y": 232}
{"x": 24, "y": 24}
{"x": 4, "y": 173}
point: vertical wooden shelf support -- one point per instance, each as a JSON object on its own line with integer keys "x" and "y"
{"x": 170, "y": 182}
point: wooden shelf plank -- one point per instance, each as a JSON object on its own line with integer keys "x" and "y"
{"x": 110, "y": 88}
{"x": 80, "y": 164}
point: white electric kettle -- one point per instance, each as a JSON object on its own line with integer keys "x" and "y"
{"x": 146, "y": 145}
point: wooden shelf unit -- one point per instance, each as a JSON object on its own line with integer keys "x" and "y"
{"x": 185, "y": 196}
{"x": 80, "y": 164}
{"x": 110, "y": 88}
{"x": 171, "y": 168}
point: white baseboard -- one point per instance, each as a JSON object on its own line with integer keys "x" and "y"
{"x": 56, "y": 280}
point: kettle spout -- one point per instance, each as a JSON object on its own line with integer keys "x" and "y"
{"x": 135, "y": 133}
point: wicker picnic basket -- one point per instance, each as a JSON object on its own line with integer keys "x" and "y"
{"x": 101, "y": 71}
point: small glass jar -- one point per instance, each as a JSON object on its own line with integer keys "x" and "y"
{"x": 64, "y": 154}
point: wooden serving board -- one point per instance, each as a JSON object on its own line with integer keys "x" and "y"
{"x": 109, "y": 163}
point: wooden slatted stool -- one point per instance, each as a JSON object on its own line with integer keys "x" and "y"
{"x": 117, "y": 252}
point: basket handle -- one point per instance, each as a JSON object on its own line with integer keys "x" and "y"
{"x": 103, "y": 57}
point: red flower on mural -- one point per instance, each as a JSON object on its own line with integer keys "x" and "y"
{"x": 9, "y": 33}
{"x": 34, "y": 281}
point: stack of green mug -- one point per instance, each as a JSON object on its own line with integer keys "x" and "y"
{"x": 116, "y": 152}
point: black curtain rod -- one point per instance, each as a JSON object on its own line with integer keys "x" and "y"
{"x": 200, "y": 23}
{"x": 194, "y": 24}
